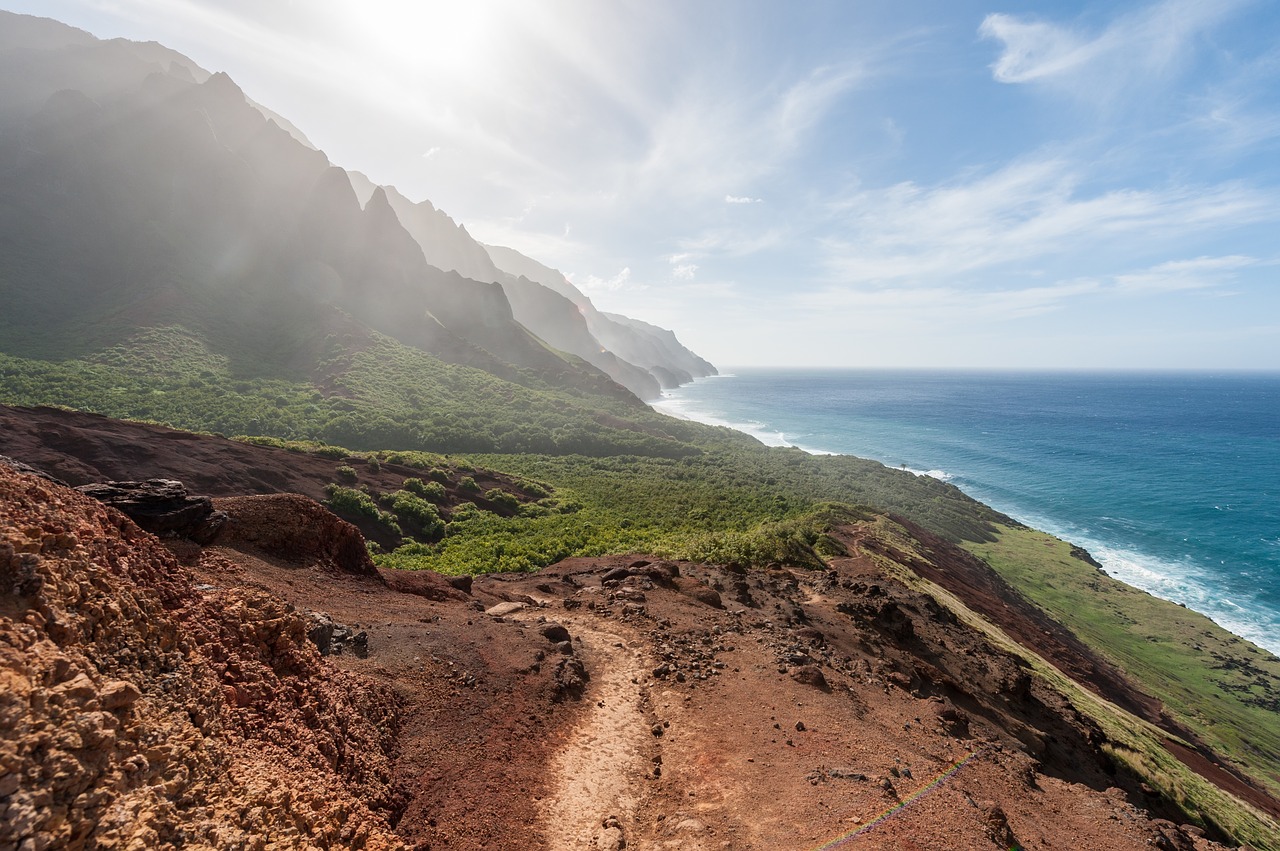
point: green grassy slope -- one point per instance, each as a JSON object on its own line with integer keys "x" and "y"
{"x": 1220, "y": 686}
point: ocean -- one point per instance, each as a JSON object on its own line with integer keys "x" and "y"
{"x": 1170, "y": 480}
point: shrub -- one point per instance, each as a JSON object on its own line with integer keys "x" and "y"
{"x": 502, "y": 499}
{"x": 353, "y": 504}
{"x": 467, "y": 483}
{"x": 417, "y": 514}
{"x": 430, "y": 491}
{"x": 346, "y": 473}
{"x": 350, "y": 502}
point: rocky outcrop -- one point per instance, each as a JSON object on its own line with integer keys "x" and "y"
{"x": 296, "y": 530}
{"x": 162, "y": 507}
{"x": 140, "y": 712}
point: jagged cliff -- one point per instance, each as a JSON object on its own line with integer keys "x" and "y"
{"x": 141, "y": 191}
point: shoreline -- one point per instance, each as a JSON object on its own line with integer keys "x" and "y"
{"x": 1134, "y": 568}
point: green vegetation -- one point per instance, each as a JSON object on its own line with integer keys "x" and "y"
{"x": 430, "y": 491}
{"x": 581, "y": 474}
{"x": 355, "y": 504}
{"x": 376, "y": 396}
{"x": 416, "y": 514}
{"x": 1131, "y": 741}
{"x": 1221, "y": 687}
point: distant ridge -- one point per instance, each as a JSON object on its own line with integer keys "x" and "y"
{"x": 140, "y": 186}
{"x": 648, "y": 346}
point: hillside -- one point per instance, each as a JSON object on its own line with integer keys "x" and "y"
{"x": 141, "y": 192}
{"x": 425, "y": 571}
{"x": 1177, "y": 768}
{"x": 636, "y": 685}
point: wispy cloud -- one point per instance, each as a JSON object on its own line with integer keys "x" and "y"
{"x": 742, "y": 199}
{"x": 1181, "y": 275}
{"x": 1150, "y": 44}
{"x": 1030, "y": 211}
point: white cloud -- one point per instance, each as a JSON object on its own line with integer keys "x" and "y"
{"x": 1150, "y": 43}
{"x": 1027, "y": 212}
{"x": 742, "y": 199}
{"x": 941, "y": 305}
{"x": 1181, "y": 275}
{"x": 685, "y": 272}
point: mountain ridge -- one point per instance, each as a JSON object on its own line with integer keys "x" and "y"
{"x": 227, "y": 167}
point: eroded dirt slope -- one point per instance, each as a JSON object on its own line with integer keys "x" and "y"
{"x": 173, "y": 692}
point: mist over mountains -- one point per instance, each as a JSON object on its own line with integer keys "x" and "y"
{"x": 140, "y": 191}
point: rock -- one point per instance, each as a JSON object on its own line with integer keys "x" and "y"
{"x": 997, "y": 825}
{"x": 461, "y": 583}
{"x": 19, "y": 572}
{"x": 571, "y": 678}
{"x": 702, "y": 593}
{"x": 118, "y": 694}
{"x": 554, "y": 632}
{"x": 333, "y": 639}
{"x": 321, "y": 632}
{"x": 162, "y": 507}
{"x": 611, "y": 839}
{"x": 616, "y": 575}
{"x": 954, "y": 722}
{"x": 29, "y": 470}
{"x": 426, "y": 584}
{"x": 810, "y": 675}
{"x": 503, "y": 609}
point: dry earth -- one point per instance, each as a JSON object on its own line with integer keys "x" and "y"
{"x": 171, "y": 693}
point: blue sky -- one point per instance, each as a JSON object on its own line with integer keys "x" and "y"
{"x": 848, "y": 183}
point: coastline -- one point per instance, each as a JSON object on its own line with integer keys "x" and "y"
{"x": 1183, "y": 583}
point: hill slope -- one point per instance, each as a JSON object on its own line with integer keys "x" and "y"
{"x": 600, "y": 702}
{"x": 138, "y": 191}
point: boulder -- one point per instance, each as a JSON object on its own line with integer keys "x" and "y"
{"x": 162, "y": 507}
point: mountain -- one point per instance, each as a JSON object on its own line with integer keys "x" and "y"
{"x": 654, "y": 349}
{"x": 140, "y": 191}
{"x": 541, "y": 299}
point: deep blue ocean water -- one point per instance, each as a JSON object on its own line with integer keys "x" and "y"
{"x": 1172, "y": 481}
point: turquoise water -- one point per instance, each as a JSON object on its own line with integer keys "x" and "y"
{"x": 1172, "y": 481}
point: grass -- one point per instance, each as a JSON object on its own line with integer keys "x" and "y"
{"x": 1220, "y": 686}
{"x": 1131, "y": 741}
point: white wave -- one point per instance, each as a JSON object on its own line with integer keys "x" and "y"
{"x": 1183, "y": 582}
{"x": 1179, "y": 582}
{"x": 941, "y": 475}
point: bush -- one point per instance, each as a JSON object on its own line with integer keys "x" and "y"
{"x": 467, "y": 483}
{"x": 350, "y": 502}
{"x": 417, "y": 514}
{"x": 353, "y": 504}
{"x": 430, "y": 491}
{"x": 346, "y": 473}
{"x": 502, "y": 499}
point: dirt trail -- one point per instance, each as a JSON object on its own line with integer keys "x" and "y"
{"x": 599, "y": 770}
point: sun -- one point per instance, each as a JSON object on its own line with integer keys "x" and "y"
{"x": 460, "y": 37}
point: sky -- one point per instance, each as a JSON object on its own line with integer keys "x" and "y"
{"x": 854, "y": 183}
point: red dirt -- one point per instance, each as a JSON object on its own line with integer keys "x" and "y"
{"x": 695, "y": 706}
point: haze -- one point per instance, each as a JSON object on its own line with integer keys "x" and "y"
{"x": 997, "y": 184}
